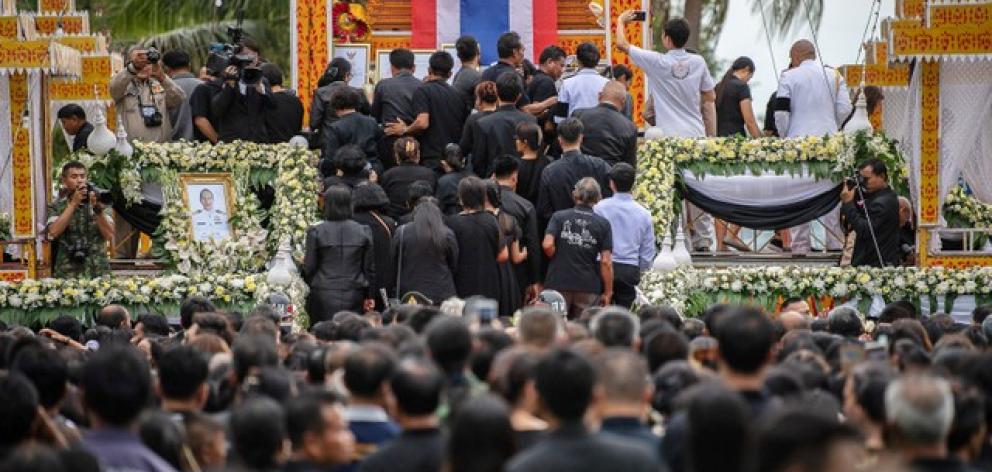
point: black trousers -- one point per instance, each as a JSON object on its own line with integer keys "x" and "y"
{"x": 625, "y": 280}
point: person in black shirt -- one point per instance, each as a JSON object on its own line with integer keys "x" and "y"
{"x": 322, "y": 112}
{"x": 392, "y": 100}
{"x": 511, "y": 50}
{"x": 580, "y": 243}
{"x": 350, "y": 161}
{"x": 734, "y": 114}
{"x": 352, "y": 127}
{"x": 241, "y": 108}
{"x": 532, "y": 161}
{"x": 285, "y": 120}
{"x": 542, "y": 87}
{"x": 205, "y": 123}
{"x": 416, "y": 387}
{"x": 425, "y": 255}
{"x": 73, "y": 120}
{"x": 486, "y": 102}
{"x": 479, "y": 243}
{"x": 609, "y": 135}
{"x": 396, "y": 181}
{"x": 468, "y": 76}
{"x": 495, "y": 134}
{"x": 447, "y": 185}
{"x": 882, "y": 205}
{"x": 528, "y": 271}
{"x": 439, "y": 110}
{"x": 370, "y": 204}
{"x": 560, "y": 177}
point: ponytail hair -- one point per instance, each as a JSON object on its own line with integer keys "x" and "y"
{"x": 407, "y": 149}
{"x": 530, "y": 134}
{"x": 742, "y": 62}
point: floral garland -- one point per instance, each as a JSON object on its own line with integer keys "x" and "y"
{"x": 5, "y": 227}
{"x": 290, "y": 170}
{"x": 834, "y": 156}
{"x": 691, "y": 290}
{"x": 34, "y": 302}
{"x": 965, "y": 211}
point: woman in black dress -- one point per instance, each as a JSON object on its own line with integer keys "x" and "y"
{"x": 339, "y": 262}
{"x": 370, "y": 204}
{"x": 426, "y": 254}
{"x": 532, "y": 161}
{"x": 509, "y": 287}
{"x": 486, "y": 102}
{"x": 479, "y": 243}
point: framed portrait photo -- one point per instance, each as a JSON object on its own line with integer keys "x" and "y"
{"x": 358, "y": 56}
{"x": 210, "y": 200}
{"x": 422, "y": 62}
{"x": 382, "y": 69}
{"x": 451, "y": 49}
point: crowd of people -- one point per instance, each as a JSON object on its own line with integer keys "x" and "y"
{"x": 417, "y": 388}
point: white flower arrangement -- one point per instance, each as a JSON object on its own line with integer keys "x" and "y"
{"x": 689, "y": 290}
{"x": 835, "y": 156}
{"x": 5, "y": 227}
{"x": 963, "y": 210}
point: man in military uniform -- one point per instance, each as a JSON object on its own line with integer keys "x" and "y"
{"x": 79, "y": 227}
{"x": 208, "y": 222}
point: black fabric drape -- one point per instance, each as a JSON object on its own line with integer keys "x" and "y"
{"x": 144, "y": 216}
{"x": 767, "y": 217}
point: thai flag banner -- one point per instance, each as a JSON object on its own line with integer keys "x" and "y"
{"x": 437, "y": 22}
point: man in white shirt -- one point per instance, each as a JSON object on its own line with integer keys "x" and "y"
{"x": 812, "y": 100}
{"x": 582, "y": 89}
{"x": 683, "y": 95}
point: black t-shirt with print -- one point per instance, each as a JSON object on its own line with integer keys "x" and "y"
{"x": 580, "y": 236}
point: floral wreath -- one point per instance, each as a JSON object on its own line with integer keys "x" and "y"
{"x": 351, "y": 21}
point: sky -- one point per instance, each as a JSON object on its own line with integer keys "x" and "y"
{"x": 840, "y": 31}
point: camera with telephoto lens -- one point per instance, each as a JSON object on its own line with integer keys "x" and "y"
{"x": 103, "y": 197}
{"x": 247, "y": 73}
{"x": 855, "y": 182}
{"x": 153, "y": 55}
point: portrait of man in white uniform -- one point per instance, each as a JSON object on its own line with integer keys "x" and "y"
{"x": 208, "y": 203}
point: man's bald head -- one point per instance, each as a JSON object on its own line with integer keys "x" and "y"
{"x": 792, "y": 321}
{"x": 613, "y": 93}
{"x": 801, "y": 51}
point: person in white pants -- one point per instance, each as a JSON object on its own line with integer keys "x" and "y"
{"x": 812, "y": 100}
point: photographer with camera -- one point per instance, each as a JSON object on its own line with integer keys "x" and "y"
{"x": 144, "y": 96}
{"x": 79, "y": 226}
{"x": 244, "y": 101}
{"x": 871, "y": 210}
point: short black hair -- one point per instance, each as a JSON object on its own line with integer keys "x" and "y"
{"x": 467, "y": 47}
{"x": 678, "y": 30}
{"x": 979, "y": 314}
{"x": 71, "y": 165}
{"x": 418, "y": 190}
{"x": 441, "y": 64}
{"x": 745, "y": 337}
{"x": 877, "y": 166}
{"x": 181, "y": 372}
{"x": 116, "y": 384}
{"x": 507, "y": 44}
{"x": 664, "y": 346}
{"x": 257, "y": 431}
{"x": 176, "y": 59}
{"x": 794, "y": 436}
{"x": 272, "y": 73}
{"x": 587, "y": 54}
{"x": 623, "y": 176}
{"x": 337, "y": 203}
{"x": 402, "y": 59}
{"x": 449, "y": 340}
{"x": 615, "y": 327}
{"x": 46, "y": 369}
{"x": 154, "y": 324}
{"x": 472, "y": 193}
{"x": 350, "y": 159}
{"x": 571, "y": 130}
{"x": 253, "y": 351}
{"x": 620, "y": 71}
{"x": 530, "y": 133}
{"x": 969, "y": 418}
{"x": 844, "y": 321}
{"x": 504, "y": 166}
{"x": 303, "y": 414}
{"x": 18, "y": 408}
{"x": 192, "y": 306}
{"x": 346, "y": 98}
{"x": 367, "y": 368}
{"x": 72, "y": 111}
{"x": 417, "y": 386}
{"x": 509, "y": 87}
{"x": 552, "y": 53}
{"x": 111, "y": 316}
{"x": 68, "y": 326}
{"x": 565, "y": 381}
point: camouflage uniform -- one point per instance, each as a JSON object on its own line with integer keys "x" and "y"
{"x": 82, "y": 227}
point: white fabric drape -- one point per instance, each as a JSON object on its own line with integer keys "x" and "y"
{"x": 6, "y": 139}
{"x": 766, "y": 189}
{"x": 37, "y": 152}
{"x": 965, "y": 111}
{"x": 908, "y": 132}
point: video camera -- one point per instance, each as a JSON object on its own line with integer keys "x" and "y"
{"x": 224, "y": 55}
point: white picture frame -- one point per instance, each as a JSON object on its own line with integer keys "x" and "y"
{"x": 358, "y": 56}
